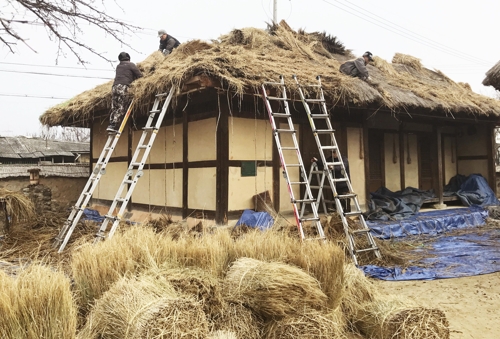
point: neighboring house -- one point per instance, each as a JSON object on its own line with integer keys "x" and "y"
{"x": 410, "y": 127}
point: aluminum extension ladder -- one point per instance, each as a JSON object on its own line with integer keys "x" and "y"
{"x": 361, "y": 227}
{"x": 290, "y": 151}
{"x": 99, "y": 170}
{"x": 136, "y": 166}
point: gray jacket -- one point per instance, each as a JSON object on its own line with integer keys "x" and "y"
{"x": 167, "y": 45}
{"x": 355, "y": 68}
{"x": 126, "y": 72}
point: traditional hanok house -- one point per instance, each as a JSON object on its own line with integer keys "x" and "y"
{"x": 409, "y": 126}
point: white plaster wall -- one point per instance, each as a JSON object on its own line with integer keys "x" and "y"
{"x": 201, "y": 188}
{"x": 250, "y": 139}
{"x": 160, "y": 188}
{"x": 475, "y": 144}
{"x": 294, "y": 173}
{"x": 201, "y": 140}
{"x": 167, "y": 147}
{"x": 110, "y": 182}
{"x": 356, "y": 164}
{"x": 242, "y": 189}
{"x": 392, "y": 170}
{"x": 411, "y": 169}
{"x": 100, "y": 136}
{"x": 466, "y": 167}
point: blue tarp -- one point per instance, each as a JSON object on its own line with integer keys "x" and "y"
{"x": 260, "y": 220}
{"x": 476, "y": 192}
{"x": 432, "y": 222}
{"x": 450, "y": 257}
{"x": 89, "y": 214}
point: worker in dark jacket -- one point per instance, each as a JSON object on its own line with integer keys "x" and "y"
{"x": 167, "y": 42}
{"x": 338, "y": 173}
{"x": 126, "y": 73}
{"x": 357, "y": 67}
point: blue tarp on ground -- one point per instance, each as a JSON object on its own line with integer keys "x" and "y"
{"x": 89, "y": 214}
{"x": 450, "y": 257}
{"x": 260, "y": 220}
{"x": 432, "y": 222}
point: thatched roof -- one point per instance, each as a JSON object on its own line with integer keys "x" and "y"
{"x": 493, "y": 77}
{"x": 241, "y": 60}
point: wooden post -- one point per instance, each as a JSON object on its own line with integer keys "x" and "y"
{"x": 185, "y": 163}
{"x": 402, "y": 157}
{"x": 439, "y": 162}
{"x": 222, "y": 177}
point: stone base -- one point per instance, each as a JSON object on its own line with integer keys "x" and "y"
{"x": 439, "y": 206}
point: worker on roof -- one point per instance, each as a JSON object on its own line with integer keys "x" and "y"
{"x": 357, "y": 67}
{"x": 167, "y": 42}
{"x": 126, "y": 73}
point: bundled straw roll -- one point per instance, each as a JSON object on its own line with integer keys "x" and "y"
{"x": 222, "y": 335}
{"x": 397, "y": 318}
{"x": 272, "y": 289}
{"x": 144, "y": 307}
{"x": 237, "y": 319}
{"x": 358, "y": 290}
{"x": 309, "y": 324}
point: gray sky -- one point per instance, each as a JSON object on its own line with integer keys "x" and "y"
{"x": 457, "y": 37}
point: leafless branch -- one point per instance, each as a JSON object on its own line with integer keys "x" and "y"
{"x": 63, "y": 20}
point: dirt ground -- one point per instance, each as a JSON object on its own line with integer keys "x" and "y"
{"x": 471, "y": 304}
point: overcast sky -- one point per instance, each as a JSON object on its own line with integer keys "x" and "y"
{"x": 457, "y": 37}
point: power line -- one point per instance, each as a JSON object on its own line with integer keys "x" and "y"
{"x": 423, "y": 41}
{"x": 53, "y": 74}
{"x": 56, "y": 66}
{"x": 31, "y": 96}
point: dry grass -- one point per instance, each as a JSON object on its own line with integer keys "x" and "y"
{"x": 357, "y": 291}
{"x": 272, "y": 289}
{"x": 222, "y": 335}
{"x": 37, "y": 304}
{"x": 307, "y": 324}
{"x": 237, "y": 319}
{"x": 19, "y": 207}
{"x": 398, "y": 318}
{"x": 144, "y": 307}
{"x": 244, "y": 58}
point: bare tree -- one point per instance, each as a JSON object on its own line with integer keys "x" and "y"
{"x": 63, "y": 133}
{"x": 63, "y": 20}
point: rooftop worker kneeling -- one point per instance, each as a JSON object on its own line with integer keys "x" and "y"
{"x": 357, "y": 67}
{"x": 167, "y": 42}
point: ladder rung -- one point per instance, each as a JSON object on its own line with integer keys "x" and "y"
{"x": 309, "y": 219}
{"x": 108, "y": 148}
{"x": 288, "y": 148}
{"x": 110, "y": 217}
{"x": 142, "y": 146}
{"x": 277, "y": 98}
{"x": 317, "y": 172}
{"x": 318, "y": 238}
{"x": 150, "y": 128}
{"x": 293, "y": 165}
{"x": 350, "y": 214}
{"x": 156, "y": 111}
{"x": 100, "y": 235}
{"x": 339, "y": 179}
{"x": 128, "y": 181}
{"x": 366, "y": 230}
{"x": 298, "y": 182}
{"x": 161, "y": 95}
{"x": 335, "y": 163}
{"x": 307, "y": 201}
{"x": 135, "y": 164}
{"x": 367, "y": 249}
{"x": 346, "y": 196}
{"x": 279, "y": 130}
{"x": 329, "y": 147}
{"x": 324, "y": 131}
{"x": 314, "y": 100}
{"x": 121, "y": 199}
{"x": 273, "y": 83}
{"x": 320, "y": 116}
{"x": 281, "y": 115}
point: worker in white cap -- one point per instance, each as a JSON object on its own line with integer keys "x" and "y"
{"x": 167, "y": 42}
{"x": 357, "y": 67}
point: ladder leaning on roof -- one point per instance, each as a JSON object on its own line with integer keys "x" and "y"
{"x": 84, "y": 198}
{"x": 291, "y": 151}
{"x": 360, "y": 223}
{"x": 134, "y": 171}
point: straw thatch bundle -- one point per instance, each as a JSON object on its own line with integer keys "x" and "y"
{"x": 222, "y": 335}
{"x": 272, "y": 289}
{"x": 236, "y": 318}
{"x": 398, "y": 318}
{"x": 241, "y": 60}
{"x": 19, "y": 206}
{"x": 493, "y": 77}
{"x": 308, "y": 324}
{"x": 144, "y": 307}
{"x": 36, "y": 304}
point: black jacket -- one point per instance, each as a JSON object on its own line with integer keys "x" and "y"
{"x": 126, "y": 72}
{"x": 167, "y": 45}
{"x": 337, "y": 171}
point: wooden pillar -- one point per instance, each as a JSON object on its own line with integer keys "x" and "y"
{"x": 366, "y": 161}
{"x": 185, "y": 160}
{"x": 491, "y": 158}
{"x": 439, "y": 163}
{"x": 91, "y": 153}
{"x": 402, "y": 156}
{"x": 222, "y": 177}
{"x": 130, "y": 134}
